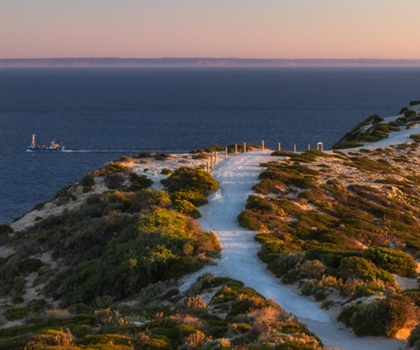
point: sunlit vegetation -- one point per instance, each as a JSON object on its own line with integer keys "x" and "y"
{"x": 374, "y": 128}
{"x": 188, "y": 188}
{"x": 337, "y": 237}
{"x": 415, "y": 137}
{"x": 115, "y": 243}
{"x": 160, "y": 317}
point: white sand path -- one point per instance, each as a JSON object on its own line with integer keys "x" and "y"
{"x": 239, "y": 259}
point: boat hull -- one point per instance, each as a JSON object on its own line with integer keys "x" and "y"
{"x": 47, "y": 150}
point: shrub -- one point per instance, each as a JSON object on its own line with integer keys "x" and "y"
{"x": 214, "y": 148}
{"x": 4, "y": 229}
{"x": 110, "y": 168}
{"x": 356, "y": 267}
{"x": 414, "y": 337}
{"x": 200, "y": 156}
{"x": 161, "y": 156}
{"x": 383, "y": 317}
{"x": 185, "y": 178}
{"x": 191, "y": 195}
{"x": 148, "y": 199}
{"x": 193, "y": 303}
{"x": 415, "y": 137}
{"x": 50, "y": 338}
{"x": 108, "y": 317}
{"x": 16, "y": 313}
{"x": 393, "y": 261}
{"x": 114, "y": 181}
{"x": 145, "y": 154}
{"x": 57, "y": 313}
{"x": 166, "y": 171}
{"x": 29, "y": 265}
{"x": 187, "y": 208}
{"x": 108, "y": 342}
{"x": 87, "y": 181}
{"x": 247, "y": 220}
{"x": 196, "y": 340}
{"x": 349, "y": 144}
{"x": 409, "y": 113}
{"x": 139, "y": 182}
{"x": 312, "y": 269}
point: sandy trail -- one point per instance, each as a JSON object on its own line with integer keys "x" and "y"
{"x": 239, "y": 260}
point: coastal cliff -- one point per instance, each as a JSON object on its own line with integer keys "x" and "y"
{"x": 104, "y": 260}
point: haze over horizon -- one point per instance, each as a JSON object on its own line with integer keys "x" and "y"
{"x": 308, "y": 29}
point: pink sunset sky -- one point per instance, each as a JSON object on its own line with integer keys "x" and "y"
{"x": 200, "y": 28}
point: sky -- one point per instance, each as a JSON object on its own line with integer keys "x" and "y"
{"x": 335, "y": 29}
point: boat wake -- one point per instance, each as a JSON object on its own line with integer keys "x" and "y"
{"x": 124, "y": 151}
{"x": 100, "y": 151}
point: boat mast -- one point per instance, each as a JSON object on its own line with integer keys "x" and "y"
{"x": 33, "y": 145}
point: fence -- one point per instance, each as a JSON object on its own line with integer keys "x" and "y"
{"x": 215, "y": 157}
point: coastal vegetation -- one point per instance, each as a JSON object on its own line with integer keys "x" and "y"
{"x": 101, "y": 265}
{"x": 159, "y": 317}
{"x": 376, "y": 128}
{"x": 343, "y": 227}
{"x": 103, "y": 274}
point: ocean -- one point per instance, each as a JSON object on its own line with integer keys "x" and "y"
{"x": 100, "y": 114}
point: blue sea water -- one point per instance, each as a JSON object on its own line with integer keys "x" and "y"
{"x": 100, "y": 114}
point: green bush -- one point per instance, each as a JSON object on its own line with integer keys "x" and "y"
{"x": 148, "y": 199}
{"x": 110, "y": 168}
{"x": 383, "y": 317}
{"x": 193, "y": 196}
{"x": 349, "y": 144}
{"x": 161, "y": 156}
{"x": 139, "y": 182}
{"x": 414, "y": 337}
{"x": 393, "y": 261}
{"x": 13, "y": 313}
{"x": 187, "y": 208}
{"x": 409, "y": 113}
{"x": 200, "y": 156}
{"x": 164, "y": 244}
{"x": 4, "y": 229}
{"x": 115, "y": 181}
{"x": 166, "y": 171}
{"x": 29, "y": 265}
{"x": 415, "y": 137}
{"x": 259, "y": 203}
{"x": 248, "y": 220}
{"x": 87, "y": 181}
{"x": 185, "y": 178}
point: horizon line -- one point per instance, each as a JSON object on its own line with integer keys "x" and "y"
{"x": 204, "y": 62}
{"x": 206, "y": 57}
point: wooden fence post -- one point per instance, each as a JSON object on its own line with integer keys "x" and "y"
{"x": 244, "y": 147}
{"x": 294, "y": 148}
{"x": 262, "y": 145}
{"x": 226, "y": 152}
{"x": 279, "y": 147}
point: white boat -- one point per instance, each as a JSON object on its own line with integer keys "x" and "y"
{"x": 53, "y": 147}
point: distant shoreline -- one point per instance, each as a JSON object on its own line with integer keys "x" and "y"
{"x": 171, "y": 62}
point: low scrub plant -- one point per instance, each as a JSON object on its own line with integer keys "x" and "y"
{"x": 110, "y": 168}
{"x": 185, "y": 178}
